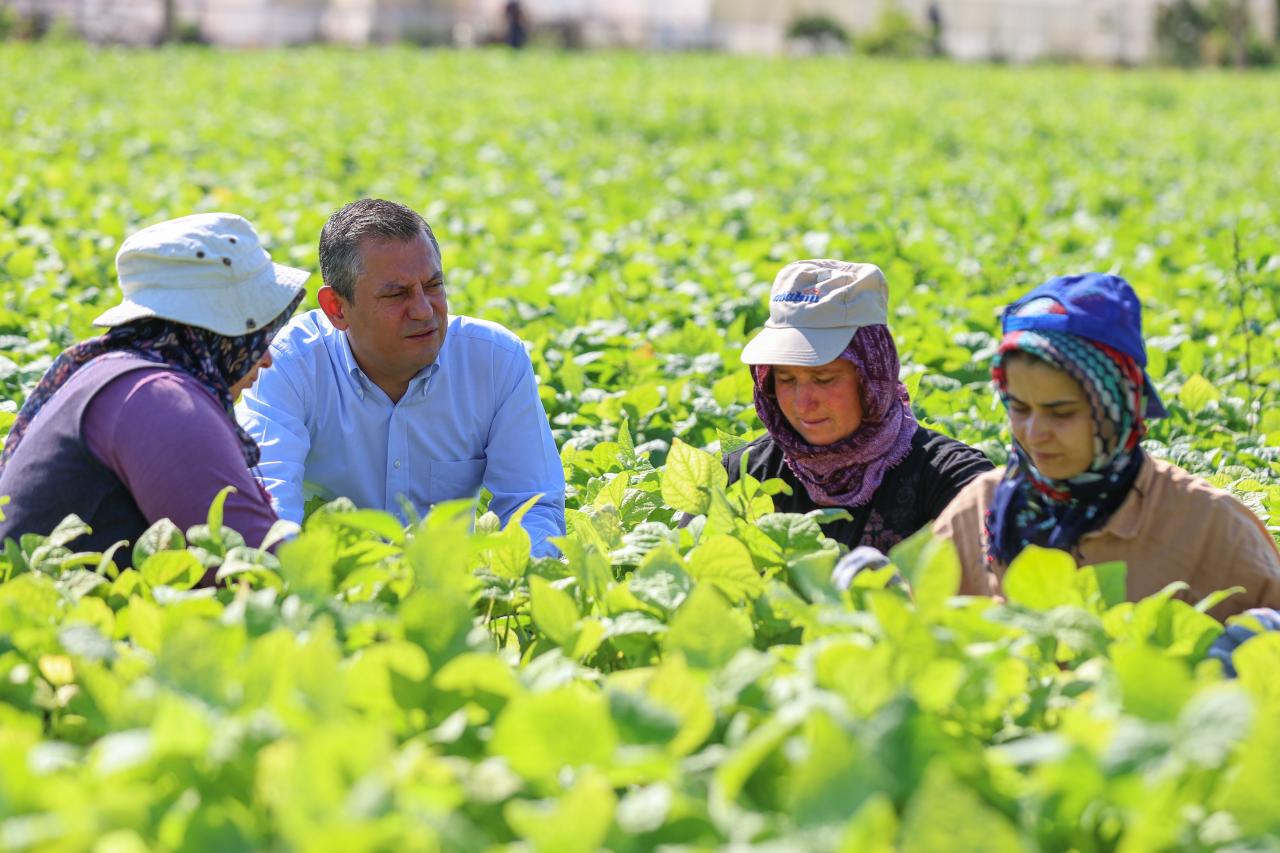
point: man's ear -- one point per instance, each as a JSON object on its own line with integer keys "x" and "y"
{"x": 334, "y": 307}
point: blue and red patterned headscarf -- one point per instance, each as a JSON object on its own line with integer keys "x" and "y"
{"x": 1030, "y": 508}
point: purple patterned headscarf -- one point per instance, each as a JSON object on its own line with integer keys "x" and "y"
{"x": 848, "y": 472}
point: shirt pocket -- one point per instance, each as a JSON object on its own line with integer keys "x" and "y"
{"x": 459, "y": 478}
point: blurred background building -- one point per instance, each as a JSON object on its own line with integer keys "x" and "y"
{"x": 1111, "y": 31}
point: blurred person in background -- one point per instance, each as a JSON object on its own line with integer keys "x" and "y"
{"x": 382, "y": 397}
{"x": 841, "y": 432}
{"x": 517, "y": 24}
{"x": 1070, "y": 373}
{"x": 137, "y": 425}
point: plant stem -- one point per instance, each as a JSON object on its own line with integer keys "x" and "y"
{"x": 1242, "y": 294}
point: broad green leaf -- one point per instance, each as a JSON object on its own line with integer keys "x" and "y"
{"x": 661, "y": 579}
{"x": 833, "y": 779}
{"x": 473, "y": 673}
{"x": 726, "y": 563}
{"x": 945, "y": 814}
{"x": 441, "y": 548}
{"x": 730, "y": 442}
{"x": 794, "y": 535}
{"x": 1197, "y": 393}
{"x": 1257, "y": 661}
{"x": 178, "y": 569}
{"x": 937, "y": 576}
{"x": 307, "y": 563}
{"x": 575, "y": 823}
{"x": 554, "y": 612}
{"x": 1041, "y": 578}
{"x": 381, "y": 524}
{"x": 539, "y": 734}
{"x": 689, "y": 478}
{"x": 164, "y": 535}
{"x": 873, "y": 829}
{"x": 677, "y": 688}
{"x": 707, "y": 630}
{"x": 1154, "y": 685}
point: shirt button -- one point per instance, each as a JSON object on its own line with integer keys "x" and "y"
{"x": 397, "y": 463}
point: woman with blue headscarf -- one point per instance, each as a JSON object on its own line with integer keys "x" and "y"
{"x": 1070, "y": 373}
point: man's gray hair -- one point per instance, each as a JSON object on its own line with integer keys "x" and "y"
{"x": 340, "y": 261}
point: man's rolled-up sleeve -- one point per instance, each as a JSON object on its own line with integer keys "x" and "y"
{"x": 522, "y": 460}
{"x": 274, "y": 412}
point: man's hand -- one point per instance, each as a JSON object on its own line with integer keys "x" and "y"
{"x": 1235, "y": 634}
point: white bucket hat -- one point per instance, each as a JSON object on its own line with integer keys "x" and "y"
{"x": 815, "y": 307}
{"x": 208, "y": 270}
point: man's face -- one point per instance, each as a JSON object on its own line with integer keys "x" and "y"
{"x": 397, "y": 322}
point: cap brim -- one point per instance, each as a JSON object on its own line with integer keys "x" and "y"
{"x": 227, "y": 312}
{"x": 794, "y": 346}
{"x": 1155, "y": 409}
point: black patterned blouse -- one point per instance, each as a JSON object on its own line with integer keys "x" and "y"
{"x": 911, "y": 495}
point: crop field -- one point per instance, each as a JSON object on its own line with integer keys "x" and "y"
{"x": 375, "y": 688}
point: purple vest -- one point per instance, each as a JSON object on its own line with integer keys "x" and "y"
{"x": 53, "y": 473}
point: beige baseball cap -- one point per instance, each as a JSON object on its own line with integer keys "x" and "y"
{"x": 815, "y": 306}
{"x": 207, "y": 270}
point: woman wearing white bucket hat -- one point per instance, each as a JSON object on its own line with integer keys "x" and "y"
{"x": 841, "y": 430}
{"x": 136, "y": 425}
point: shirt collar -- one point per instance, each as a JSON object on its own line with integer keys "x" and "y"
{"x": 361, "y": 383}
{"x": 347, "y": 358}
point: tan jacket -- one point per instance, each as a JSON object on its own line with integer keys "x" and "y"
{"x": 1172, "y": 526}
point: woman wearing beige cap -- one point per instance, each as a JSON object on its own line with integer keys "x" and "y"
{"x": 841, "y": 431}
{"x": 136, "y": 425}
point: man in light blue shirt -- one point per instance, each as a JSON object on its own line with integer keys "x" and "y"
{"x": 381, "y": 396}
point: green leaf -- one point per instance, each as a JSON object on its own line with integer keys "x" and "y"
{"x": 730, "y": 442}
{"x": 795, "y": 535}
{"x": 22, "y": 263}
{"x": 833, "y": 779}
{"x": 1042, "y": 578}
{"x": 642, "y": 720}
{"x": 1216, "y": 597}
{"x": 575, "y": 823}
{"x": 539, "y": 734}
{"x": 1257, "y": 662}
{"x": 1154, "y": 685}
{"x": 1213, "y": 725}
{"x": 215, "y": 510}
{"x": 873, "y": 829}
{"x": 680, "y": 690}
{"x": 554, "y": 612}
{"x": 661, "y": 579}
{"x": 67, "y": 531}
{"x": 937, "y": 576}
{"x": 441, "y": 549}
{"x": 1197, "y": 393}
{"x": 707, "y": 630}
{"x": 726, "y": 562}
{"x": 306, "y": 563}
{"x": 944, "y": 814}
{"x": 178, "y": 569}
{"x": 475, "y": 673}
{"x": 689, "y": 478}
{"x": 164, "y": 535}
{"x": 381, "y": 524}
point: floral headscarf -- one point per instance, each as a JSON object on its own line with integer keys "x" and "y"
{"x": 217, "y": 361}
{"x": 848, "y": 472}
